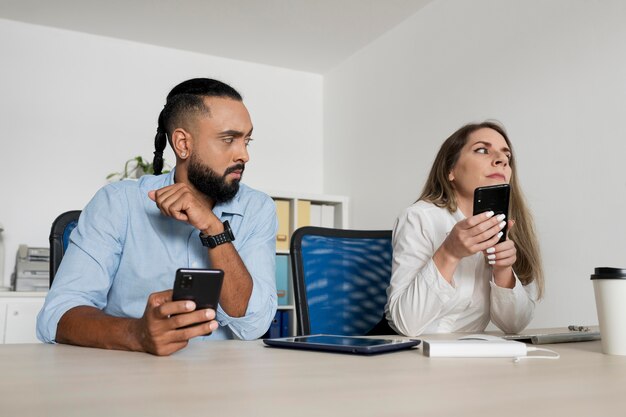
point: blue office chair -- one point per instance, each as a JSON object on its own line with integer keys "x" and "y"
{"x": 340, "y": 279}
{"x": 62, "y": 226}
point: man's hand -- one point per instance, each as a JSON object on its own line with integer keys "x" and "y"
{"x": 183, "y": 202}
{"x": 160, "y": 329}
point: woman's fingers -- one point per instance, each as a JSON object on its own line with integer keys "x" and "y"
{"x": 477, "y": 219}
{"x": 501, "y": 254}
{"x": 475, "y": 234}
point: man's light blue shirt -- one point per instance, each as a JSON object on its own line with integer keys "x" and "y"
{"x": 124, "y": 249}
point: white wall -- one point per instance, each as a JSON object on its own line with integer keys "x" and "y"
{"x": 75, "y": 107}
{"x": 554, "y": 72}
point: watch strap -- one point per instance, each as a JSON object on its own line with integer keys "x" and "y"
{"x": 219, "y": 239}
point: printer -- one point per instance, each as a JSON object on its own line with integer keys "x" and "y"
{"x": 32, "y": 269}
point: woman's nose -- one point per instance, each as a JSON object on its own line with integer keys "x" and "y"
{"x": 500, "y": 159}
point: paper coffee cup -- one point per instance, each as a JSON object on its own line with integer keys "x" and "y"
{"x": 609, "y": 287}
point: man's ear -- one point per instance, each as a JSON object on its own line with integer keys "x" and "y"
{"x": 182, "y": 143}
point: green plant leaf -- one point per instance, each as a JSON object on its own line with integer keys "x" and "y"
{"x": 141, "y": 167}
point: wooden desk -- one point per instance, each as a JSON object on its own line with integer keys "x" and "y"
{"x": 234, "y": 378}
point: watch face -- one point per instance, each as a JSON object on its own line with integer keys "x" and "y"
{"x": 228, "y": 230}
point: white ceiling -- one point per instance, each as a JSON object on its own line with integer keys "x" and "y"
{"x": 306, "y": 35}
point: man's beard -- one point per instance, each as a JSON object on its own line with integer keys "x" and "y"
{"x": 210, "y": 183}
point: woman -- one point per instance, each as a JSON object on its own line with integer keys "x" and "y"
{"x": 449, "y": 273}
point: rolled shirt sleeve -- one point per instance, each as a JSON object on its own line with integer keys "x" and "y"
{"x": 90, "y": 262}
{"x": 512, "y": 309}
{"x": 258, "y": 254}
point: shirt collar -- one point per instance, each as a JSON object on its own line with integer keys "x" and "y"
{"x": 169, "y": 179}
{"x": 232, "y": 207}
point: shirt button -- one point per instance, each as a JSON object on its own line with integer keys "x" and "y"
{"x": 194, "y": 264}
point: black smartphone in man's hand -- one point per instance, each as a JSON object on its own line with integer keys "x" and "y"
{"x": 493, "y": 198}
{"x": 202, "y": 286}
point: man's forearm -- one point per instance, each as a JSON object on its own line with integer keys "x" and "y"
{"x": 237, "y": 286}
{"x": 89, "y": 326}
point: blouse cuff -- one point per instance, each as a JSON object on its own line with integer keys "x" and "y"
{"x": 506, "y": 292}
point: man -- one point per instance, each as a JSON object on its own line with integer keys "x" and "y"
{"x": 113, "y": 288}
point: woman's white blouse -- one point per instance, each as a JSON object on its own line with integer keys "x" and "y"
{"x": 420, "y": 300}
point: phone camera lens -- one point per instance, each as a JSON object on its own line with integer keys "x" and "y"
{"x": 187, "y": 281}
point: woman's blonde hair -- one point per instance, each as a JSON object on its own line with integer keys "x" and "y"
{"x": 439, "y": 191}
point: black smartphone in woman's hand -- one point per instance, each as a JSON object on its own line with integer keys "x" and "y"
{"x": 493, "y": 198}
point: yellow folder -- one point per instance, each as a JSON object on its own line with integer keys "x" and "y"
{"x": 282, "y": 236}
{"x": 304, "y": 213}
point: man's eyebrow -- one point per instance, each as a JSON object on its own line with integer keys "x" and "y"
{"x": 236, "y": 133}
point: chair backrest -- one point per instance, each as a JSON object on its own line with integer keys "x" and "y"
{"x": 340, "y": 279}
{"x": 62, "y": 226}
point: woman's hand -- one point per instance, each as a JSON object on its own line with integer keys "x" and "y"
{"x": 467, "y": 237}
{"x": 502, "y": 257}
{"x": 474, "y": 234}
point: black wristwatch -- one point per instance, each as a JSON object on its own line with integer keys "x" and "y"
{"x": 224, "y": 237}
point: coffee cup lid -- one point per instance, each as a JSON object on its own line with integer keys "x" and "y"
{"x": 609, "y": 273}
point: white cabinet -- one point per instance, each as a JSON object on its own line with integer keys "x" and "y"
{"x": 18, "y": 316}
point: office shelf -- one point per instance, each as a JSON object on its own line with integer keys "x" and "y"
{"x": 296, "y": 210}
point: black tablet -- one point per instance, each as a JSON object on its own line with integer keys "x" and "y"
{"x": 342, "y": 344}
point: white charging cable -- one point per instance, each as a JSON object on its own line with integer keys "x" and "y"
{"x": 534, "y": 349}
